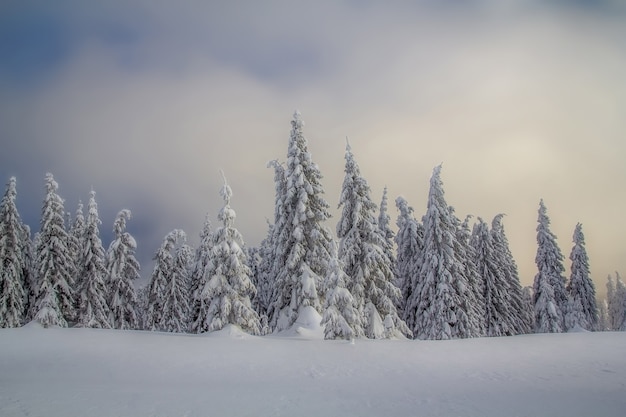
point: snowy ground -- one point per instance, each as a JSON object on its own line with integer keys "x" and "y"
{"x": 84, "y": 372}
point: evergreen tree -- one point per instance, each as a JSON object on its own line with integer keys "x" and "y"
{"x": 469, "y": 284}
{"x": 580, "y": 289}
{"x": 264, "y": 277}
{"x": 620, "y": 304}
{"x": 176, "y": 297}
{"x": 409, "y": 242}
{"x": 550, "y": 298}
{"x": 199, "y": 278}
{"x": 522, "y": 317}
{"x": 389, "y": 236}
{"x": 437, "y": 307}
{"x": 342, "y": 318}
{"x": 30, "y": 280}
{"x": 123, "y": 268}
{"x": 228, "y": 290}
{"x": 270, "y": 251}
{"x": 499, "y": 313}
{"x": 93, "y": 310}
{"x": 603, "y": 317}
{"x": 155, "y": 316}
{"x": 76, "y": 244}
{"x": 12, "y": 260}
{"x": 613, "y": 304}
{"x": 302, "y": 242}
{"x": 54, "y": 305}
{"x": 363, "y": 253}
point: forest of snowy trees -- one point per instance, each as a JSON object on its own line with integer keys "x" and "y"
{"x": 438, "y": 277}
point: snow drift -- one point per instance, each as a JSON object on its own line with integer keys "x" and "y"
{"x": 88, "y": 372}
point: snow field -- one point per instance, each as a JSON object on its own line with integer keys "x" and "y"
{"x": 92, "y": 372}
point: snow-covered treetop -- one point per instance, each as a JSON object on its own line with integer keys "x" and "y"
{"x": 227, "y": 215}
{"x": 579, "y": 237}
{"x": 119, "y": 225}
{"x": 297, "y": 121}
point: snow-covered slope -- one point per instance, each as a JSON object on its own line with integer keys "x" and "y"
{"x": 86, "y": 372}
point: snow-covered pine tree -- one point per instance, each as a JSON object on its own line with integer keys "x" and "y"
{"x": 123, "y": 268}
{"x": 93, "y": 309}
{"x": 342, "y": 318}
{"x": 580, "y": 287}
{"x": 550, "y": 298}
{"x": 30, "y": 281}
{"x": 603, "y": 316}
{"x": 270, "y": 251}
{"x": 12, "y": 260}
{"x": 409, "y": 242}
{"x": 437, "y": 307}
{"x": 54, "y": 269}
{"x": 264, "y": 279}
{"x": 76, "y": 244}
{"x": 177, "y": 294}
{"x": 199, "y": 278}
{"x": 229, "y": 288}
{"x": 470, "y": 283}
{"x": 302, "y": 242}
{"x": 159, "y": 281}
{"x": 389, "y": 236}
{"x": 620, "y": 303}
{"x": 612, "y": 304}
{"x": 522, "y": 318}
{"x": 499, "y": 314}
{"x": 363, "y": 254}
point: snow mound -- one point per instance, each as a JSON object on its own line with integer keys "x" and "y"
{"x": 307, "y": 325}
{"x": 230, "y": 331}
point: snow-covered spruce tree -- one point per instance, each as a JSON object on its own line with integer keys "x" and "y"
{"x": 580, "y": 287}
{"x": 76, "y": 244}
{"x": 499, "y": 313}
{"x": 270, "y": 252}
{"x": 437, "y": 308}
{"x": 409, "y": 242}
{"x": 177, "y": 294}
{"x": 303, "y": 244}
{"x": 603, "y": 316}
{"x": 363, "y": 254}
{"x": 54, "y": 267}
{"x": 199, "y": 278}
{"x": 264, "y": 281}
{"x": 258, "y": 302}
{"x": 342, "y": 318}
{"x": 612, "y": 303}
{"x": 30, "y": 280}
{"x": 122, "y": 268}
{"x": 159, "y": 281}
{"x": 93, "y": 309}
{"x": 550, "y": 298}
{"x": 522, "y": 318}
{"x": 620, "y": 304}
{"x": 470, "y": 283}
{"x": 229, "y": 288}
{"x": 383, "y": 224}
{"x": 12, "y": 260}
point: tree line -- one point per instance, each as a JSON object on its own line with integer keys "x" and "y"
{"x": 438, "y": 277}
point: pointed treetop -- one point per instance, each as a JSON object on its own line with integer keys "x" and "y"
{"x": 297, "y": 121}
{"x": 579, "y": 237}
{"x": 51, "y": 184}
{"x": 226, "y": 192}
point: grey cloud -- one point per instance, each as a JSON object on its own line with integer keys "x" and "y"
{"x": 520, "y": 102}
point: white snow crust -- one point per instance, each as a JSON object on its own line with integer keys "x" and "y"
{"x": 94, "y": 372}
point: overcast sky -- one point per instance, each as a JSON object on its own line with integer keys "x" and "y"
{"x": 145, "y": 101}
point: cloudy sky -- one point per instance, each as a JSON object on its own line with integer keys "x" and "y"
{"x": 145, "y": 101}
